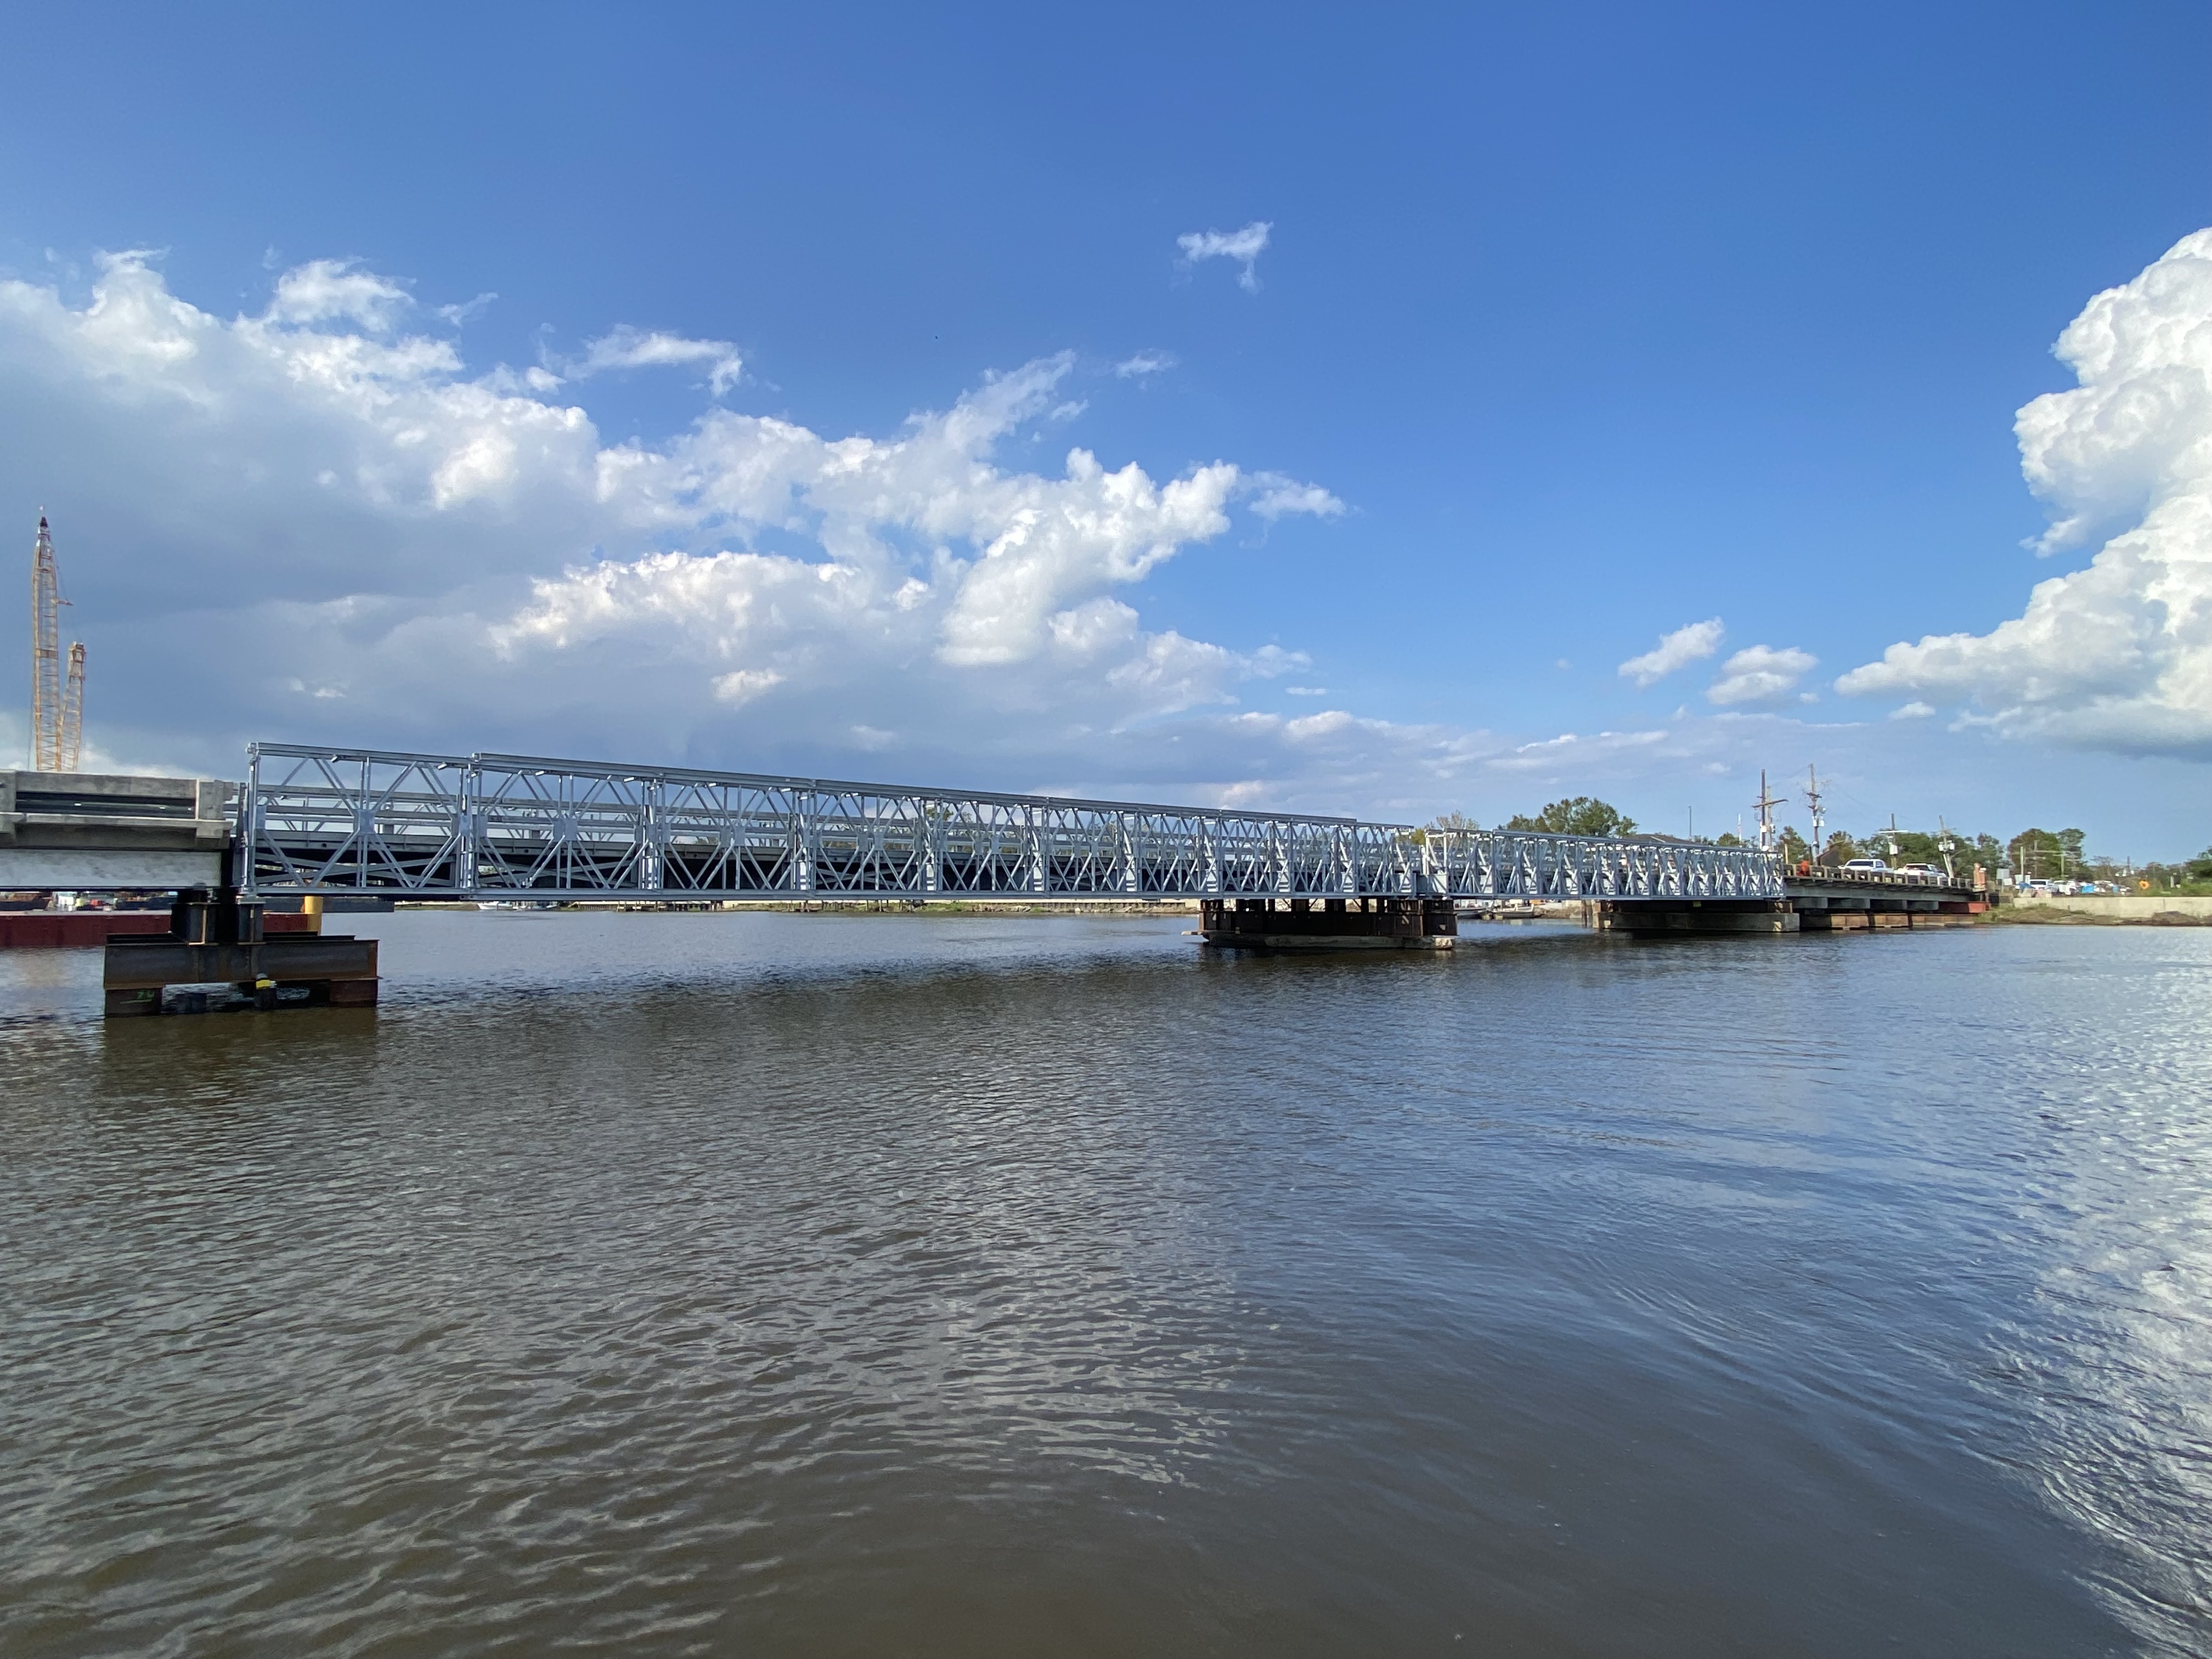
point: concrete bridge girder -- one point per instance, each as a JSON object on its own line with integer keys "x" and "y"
{"x": 94, "y": 830}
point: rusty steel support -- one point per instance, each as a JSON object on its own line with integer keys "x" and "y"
{"x": 1679, "y": 918}
{"x": 217, "y": 953}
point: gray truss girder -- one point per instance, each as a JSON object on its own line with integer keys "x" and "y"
{"x": 1512, "y": 864}
{"x": 490, "y": 826}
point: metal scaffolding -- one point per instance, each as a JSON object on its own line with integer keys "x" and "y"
{"x": 506, "y": 826}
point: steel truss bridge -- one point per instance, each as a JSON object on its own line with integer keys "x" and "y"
{"x": 508, "y": 826}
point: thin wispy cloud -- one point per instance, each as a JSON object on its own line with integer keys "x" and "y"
{"x": 1244, "y": 246}
{"x": 335, "y": 290}
{"x": 1676, "y": 650}
{"x": 1274, "y": 495}
{"x": 468, "y": 310}
{"x": 626, "y": 347}
{"x": 1145, "y": 365}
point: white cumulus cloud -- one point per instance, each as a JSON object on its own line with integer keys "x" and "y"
{"x": 1244, "y": 246}
{"x": 2117, "y": 655}
{"x": 391, "y": 547}
{"x": 1761, "y": 675}
{"x": 1676, "y": 650}
{"x": 465, "y": 558}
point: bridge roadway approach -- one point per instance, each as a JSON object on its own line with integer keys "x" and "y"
{"x": 314, "y": 822}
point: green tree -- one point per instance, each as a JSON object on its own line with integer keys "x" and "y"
{"x": 1455, "y": 822}
{"x": 1903, "y": 847}
{"x": 2046, "y": 854}
{"x": 1580, "y": 816}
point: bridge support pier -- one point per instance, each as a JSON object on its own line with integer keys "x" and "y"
{"x": 216, "y": 952}
{"x": 1674, "y": 918}
{"x": 1334, "y": 924}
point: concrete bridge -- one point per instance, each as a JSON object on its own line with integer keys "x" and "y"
{"x": 80, "y": 831}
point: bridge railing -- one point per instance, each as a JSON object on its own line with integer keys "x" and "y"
{"x": 1878, "y": 878}
{"x": 489, "y": 825}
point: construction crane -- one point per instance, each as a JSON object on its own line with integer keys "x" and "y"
{"x": 72, "y": 742}
{"x": 57, "y": 706}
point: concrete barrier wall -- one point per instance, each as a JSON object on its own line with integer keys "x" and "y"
{"x": 2119, "y": 907}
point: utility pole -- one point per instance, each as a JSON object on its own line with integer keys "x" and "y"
{"x": 1944, "y": 843}
{"x": 1766, "y": 804}
{"x": 1892, "y": 834}
{"x": 1812, "y": 800}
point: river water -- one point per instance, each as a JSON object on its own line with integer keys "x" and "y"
{"x": 810, "y": 1285}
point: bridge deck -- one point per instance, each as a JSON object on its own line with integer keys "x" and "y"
{"x": 492, "y": 826}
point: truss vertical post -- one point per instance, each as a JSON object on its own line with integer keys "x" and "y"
{"x": 806, "y": 838}
{"x": 247, "y": 837}
{"x": 652, "y": 835}
{"x": 468, "y": 827}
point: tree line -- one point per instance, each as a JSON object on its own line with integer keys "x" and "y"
{"x": 2033, "y": 854}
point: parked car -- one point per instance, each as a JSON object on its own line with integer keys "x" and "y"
{"x": 1933, "y": 872}
{"x": 1881, "y": 865}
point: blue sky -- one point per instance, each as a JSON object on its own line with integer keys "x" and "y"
{"x": 1582, "y": 327}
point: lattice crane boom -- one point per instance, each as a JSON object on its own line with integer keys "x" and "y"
{"x": 46, "y": 654}
{"x": 72, "y": 735}
{"x": 57, "y": 705}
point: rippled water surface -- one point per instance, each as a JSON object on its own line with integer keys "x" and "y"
{"x": 800, "y": 1285}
